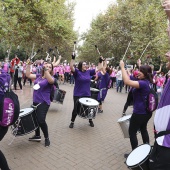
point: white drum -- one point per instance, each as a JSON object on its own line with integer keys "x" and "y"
{"x": 26, "y": 123}
{"x": 87, "y": 108}
{"x": 138, "y": 159}
{"x": 124, "y": 125}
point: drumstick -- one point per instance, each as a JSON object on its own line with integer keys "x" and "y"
{"x": 98, "y": 50}
{"x": 74, "y": 49}
{"x": 144, "y": 50}
{"x": 57, "y": 50}
{"x": 126, "y": 50}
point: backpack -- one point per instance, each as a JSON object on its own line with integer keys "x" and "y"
{"x": 9, "y": 107}
{"x": 54, "y": 87}
{"x": 151, "y": 100}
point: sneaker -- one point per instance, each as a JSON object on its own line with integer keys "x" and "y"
{"x": 126, "y": 155}
{"x": 71, "y": 125}
{"x": 100, "y": 111}
{"x": 35, "y": 138}
{"x": 91, "y": 123}
{"x": 47, "y": 142}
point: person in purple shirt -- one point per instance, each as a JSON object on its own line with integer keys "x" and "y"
{"x": 103, "y": 78}
{"x": 160, "y": 156}
{"x": 140, "y": 116}
{"x": 4, "y": 81}
{"x": 41, "y": 99}
{"x": 82, "y": 78}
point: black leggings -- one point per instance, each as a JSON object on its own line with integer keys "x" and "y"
{"x": 129, "y": 101}
{"x": 41, "y": 112}
{"x": 3, "y": 161}
{"x": 17, "y": 79}
{"x": 139, "y": 122}
{"x": 76, "y": 107}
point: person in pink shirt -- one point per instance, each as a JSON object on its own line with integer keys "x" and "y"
{"x": 6, "y": 65}
{"x": 113, "y": 77}
{"x": 67, "y": 72}
{"x": 61, "y": 73}
{"x": 160, "y": 83}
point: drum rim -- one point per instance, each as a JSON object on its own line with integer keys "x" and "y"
{"x": 129, "y": 116}
{"x": 136, "y": 165}
{"x": 28, "y": 112}
{"x": 96, "y": 90}
{"x": 90, "y": 99}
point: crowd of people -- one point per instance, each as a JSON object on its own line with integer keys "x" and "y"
{"x": 42, "y": 75}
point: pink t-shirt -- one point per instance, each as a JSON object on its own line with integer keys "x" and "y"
{"x": 67, "y": 69}
{"x": 160, "y": 81}
{"x": 61, "y": 70}
{"x": 5, "y": 68}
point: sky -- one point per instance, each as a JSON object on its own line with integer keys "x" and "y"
{"x": 86, "y": 10}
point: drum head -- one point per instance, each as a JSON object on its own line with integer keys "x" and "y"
{"x": 122, "y": 119}
{"x": 93, "y": 89}
{"x": 25, "y": 111}
{"x": 138, "y": 155}
{"x": 88, "y": 101}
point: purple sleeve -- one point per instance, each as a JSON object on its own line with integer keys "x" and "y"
{"x": 92, "y": 72}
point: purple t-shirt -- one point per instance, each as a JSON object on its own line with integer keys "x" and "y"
{"x": 5, "y": 81}
{"x": 82, "y": 82}
{"x": 139, "y": 96}
{"x": 43, "y": 93}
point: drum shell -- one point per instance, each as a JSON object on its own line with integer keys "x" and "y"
{"x": 59, "y": 96}
{"x": 85, "y": 111}
{"x": 124, "y": 125}
{"x": 27, "y": 124}
{"x": 94, "y": 94}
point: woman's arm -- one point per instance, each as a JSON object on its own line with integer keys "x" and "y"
{"x": 57, "y": 62}
{"x": 72, "y": 62}
{"x": 28, "y": 73}
{"x": 48, "y": 76}
{"x": 126, "y": 78}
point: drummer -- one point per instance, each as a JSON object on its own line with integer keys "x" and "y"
{"x": 41, "y": 98}
{"x": 103, "y": 78}
{"x": 82, "y": 78}
{"x": 140, "y": 116}
{"x": 5, "y": 81}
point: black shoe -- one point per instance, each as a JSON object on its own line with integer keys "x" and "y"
{"x": 35, "y": 138}
{"x": 126, "y": 155}
{"x": 71, "y": 125}
{"x": 47, "y": 142}
{"x": 91, "y": 123}
{"x": 100, "y": 111}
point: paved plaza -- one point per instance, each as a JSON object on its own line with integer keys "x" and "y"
{"x": 101, "y": 147}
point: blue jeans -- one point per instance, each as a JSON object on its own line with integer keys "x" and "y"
{"x": 119, "y": 85}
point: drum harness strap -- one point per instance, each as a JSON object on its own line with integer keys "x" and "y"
{"x": 162, "y": 133}
{"x": 14, "y": 131}
{"x": 101, "y": 92}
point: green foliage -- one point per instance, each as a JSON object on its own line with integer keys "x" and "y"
{"x": 47, "y": 22}
{"x": 138, "y": 21}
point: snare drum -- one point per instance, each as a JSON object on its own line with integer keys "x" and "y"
{"x": 59, "y": 96}
{"x": 94, "y": 93}
{"x": 138, "y": 159}
{"x": 87, "y": 108}
{"x": 124, "y": 125}
{"x": 26, "y": 123}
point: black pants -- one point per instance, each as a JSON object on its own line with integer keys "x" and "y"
{"x": 139, "y": 122}
{"x": 129, "y": 101}
{"x": 41, "y": 112}
{"x": 3, "y": 161}
{"x": 76, "y": 108}
{"x": 17, "y": 79}
{"x": 25, "y": 78}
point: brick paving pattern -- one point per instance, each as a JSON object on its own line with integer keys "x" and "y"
{"x": 101, "y": 147}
